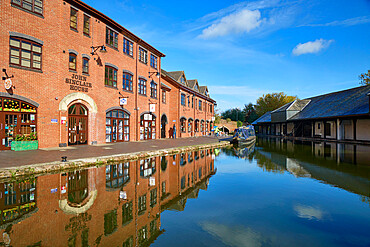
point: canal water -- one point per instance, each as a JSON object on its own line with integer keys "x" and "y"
{"x": 273, "y": 193}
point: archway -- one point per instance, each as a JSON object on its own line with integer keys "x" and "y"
{"x": 147, "y": 126}
{"x": 77, "y": 124}
{"x": 163, "y": 125}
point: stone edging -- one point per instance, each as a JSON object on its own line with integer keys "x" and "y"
{"x": 58, "y": 166}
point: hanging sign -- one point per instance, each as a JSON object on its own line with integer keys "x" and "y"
{"x": 63, "y": 189}
{"x": 152, "y": 181}
{"x": 123, "y": 195}
{"x": 8, "y": 84}
{"x": 122, "y": 101}
{"x": 152, "y": 107}
{"x": 213, "y": 119}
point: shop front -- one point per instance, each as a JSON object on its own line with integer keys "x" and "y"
{"x": 18, "y": 117}
{"x": 147, "y": 126}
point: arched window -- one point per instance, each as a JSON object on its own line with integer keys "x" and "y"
{"x": 117, "y": 126}
{"x": 153, "y": 89}
{"x": 183, "y": 125}
{"x": 202, "y": 126}
{"x": 190, "y": 125}
{"x": 196, "y": 129}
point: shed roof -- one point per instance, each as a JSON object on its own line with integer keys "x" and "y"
{"x": 265, "y": 118}
{"x": 349, "y": 102}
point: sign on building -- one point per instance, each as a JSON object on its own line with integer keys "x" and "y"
{"x": 152, "y": 107}
{"x": 122, "y": 101}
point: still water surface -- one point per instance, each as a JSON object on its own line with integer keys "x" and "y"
{"x": 276, "y": 193}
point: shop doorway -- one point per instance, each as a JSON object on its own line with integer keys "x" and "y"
{"x": 77, "y": 124}
{"x": 163, "y": 126}
{"x": 147, "y": 126}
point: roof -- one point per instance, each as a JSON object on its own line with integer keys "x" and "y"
{"x": 165, "y": 86}
{"x": 266, "y": 118}
{"x": 191, "y": 83}
{"x": 298, "y": 105}
{"x": 284, "y": 107}
{"x": 176, "y": 75}
{"x": 349, "y": 102}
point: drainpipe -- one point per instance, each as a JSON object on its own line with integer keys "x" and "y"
{"x": 137, "y": 124}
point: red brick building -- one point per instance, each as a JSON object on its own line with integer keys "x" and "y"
{"x": 82, "y": 78}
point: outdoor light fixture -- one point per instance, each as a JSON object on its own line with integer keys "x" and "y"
{"x": 156, "y": 73}
{"x": 64, "y": 158}
{"x": 94, "y": 49}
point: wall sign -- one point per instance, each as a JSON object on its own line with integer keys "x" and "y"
{"x": 152, "y": 107}
{"x": 78, "y": 83}
{"x": 54, "y": 120}
{"x": 122, "y": 101}
{"x": 8, "y": 84}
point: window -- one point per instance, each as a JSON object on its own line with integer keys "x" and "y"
{"x": 183, "y": 99}
{"x": 117, "y": 128}
{"x": 183, "y": 125}
{"x": 143, "y": 55}
{"x": 153, "y": 61}
{"x": 127, "y": 82}
{"x": 111, "y": 38}
{"x": 85, "y": 65}
{"x": 182, "y": 80}
{"x": 73, "y": 19}
{"x": 200, "y": 105}
{"x": 127, "y": 213}
{"x": 87, "y": 25}
{"x": 72, "y": 61}
{"x": 153, "y": 227}
{"x": 153, "y": 197}
{"x": 128, "y": 47}
{"x": 25, "y": 53}
{"x": 153, "y": 89}
{"x": 142, "y": 235}
{"x": 164, "y": 96}
{"x": 190, "y": 125}
{"x": 129, "y": 242}
{"x": 142, "y": 86}
{"x": 210, "y": 108}
{"x": 192, "y": 102}
{"x": 202, "y": 126}
{"x": 141, "y": 204}
{"x": 110, "y": 76}
{"x": 117, "y": 175}
{"x": 110, "y": 222}
{"x": 188, "y": 101}
{"x": 34, "y": 6}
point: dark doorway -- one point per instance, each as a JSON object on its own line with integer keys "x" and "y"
{"x": 163, "y": 126}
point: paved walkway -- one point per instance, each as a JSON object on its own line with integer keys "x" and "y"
{"x": 15, "y": 159}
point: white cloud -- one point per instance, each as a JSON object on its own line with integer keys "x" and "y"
{"x": 311, "y": 47}
{"x": 308, "y": 212}
{"x": 234, "y": 236}
{"x": 238, "y": 22}
{"x": 348, "y": 22}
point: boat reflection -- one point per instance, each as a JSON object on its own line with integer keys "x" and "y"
{"x": 341, "y": 165}
{"x": 115, "y": 205}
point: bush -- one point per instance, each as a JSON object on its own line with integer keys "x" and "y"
{"x": 239, "y": 124}
{"x": 30, "y": 137}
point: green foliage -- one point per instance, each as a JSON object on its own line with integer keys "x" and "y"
{"x": 234, "y": 114}
{"x": 270, "y": 102}
{"x": 239, "y": 124}
{"x": 30, "y": 137}
{"x": 228, "y": 120}
{"x": 365, "y": 78}
{"x": 249, "y": 113}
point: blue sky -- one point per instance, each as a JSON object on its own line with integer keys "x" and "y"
{"x": 243, "y": 49}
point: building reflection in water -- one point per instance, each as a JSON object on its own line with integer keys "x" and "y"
{"x": 115, "y": 205}
{"x": 342, "y": 165}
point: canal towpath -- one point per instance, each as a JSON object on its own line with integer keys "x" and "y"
{"x": 94, "y": 153}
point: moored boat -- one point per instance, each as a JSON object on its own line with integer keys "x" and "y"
{"x": 244, "y": 135}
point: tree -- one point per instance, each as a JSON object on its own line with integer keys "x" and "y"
{"x": 249, "y": 113}
{"x": 234, "y": 114}
{"x": 239, "y": 124}
{"x": 270, "y": 102}
{"x": 365, "y": 78}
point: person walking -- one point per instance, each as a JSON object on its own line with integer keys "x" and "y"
{"x": 174, "y": 131}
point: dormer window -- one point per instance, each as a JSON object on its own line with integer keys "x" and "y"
{"x": 196, "y": 87}
{"x": 182, "y": 79}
